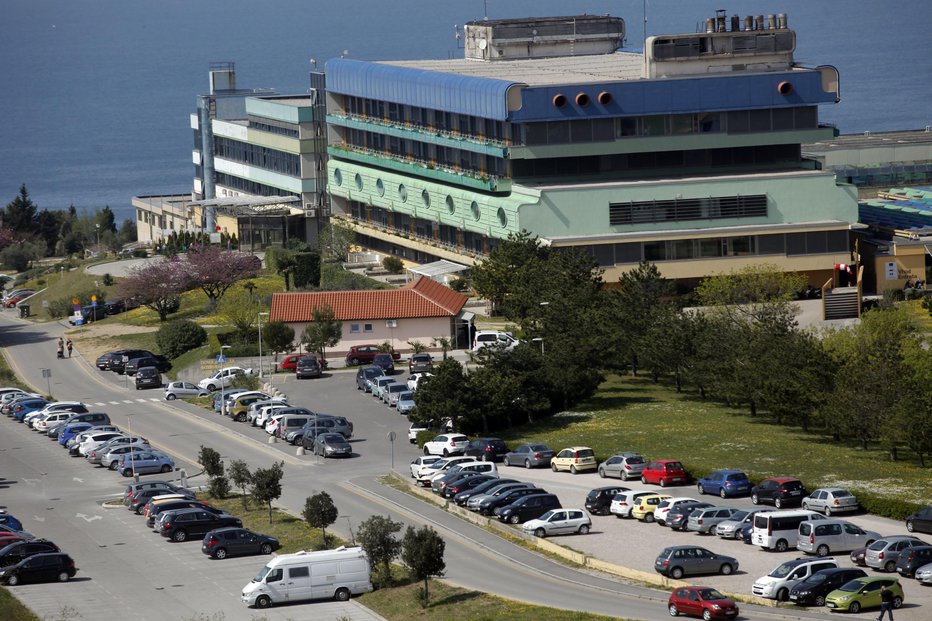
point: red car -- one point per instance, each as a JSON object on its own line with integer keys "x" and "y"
{"x": 664, "y": 472}
{"x": 290, "y": 362}
{"x": 363, "y": 354}
{"x": 701, "y": 602}
{"x": 19, "y": 297}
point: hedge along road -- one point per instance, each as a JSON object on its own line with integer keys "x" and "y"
{"x": 469, "y": 564}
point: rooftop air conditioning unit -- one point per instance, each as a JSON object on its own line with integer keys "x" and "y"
{"x": 391, "y": 323}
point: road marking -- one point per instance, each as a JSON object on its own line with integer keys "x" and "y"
{"x": 87, "y": 518}
{"x": 156, "y": 399}
{"x": 130, "y": 401}
{"x": 101, "y": 403}
{"x": 38, "y": 519}
{"x": 140, "y": 400}
{"x": 31, "y": 482}
{"x": 78, "y": 480}
{"x": 114, "y": 403}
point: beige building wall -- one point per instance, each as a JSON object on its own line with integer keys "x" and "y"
{"x": 424, "y": 330}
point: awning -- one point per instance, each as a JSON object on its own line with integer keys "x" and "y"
{"x": 440, "y": 271}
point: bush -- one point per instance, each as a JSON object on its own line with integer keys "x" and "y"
{"x": 459, "y": 284}
{"x": 140, "y": 253}
{"x": 108, "y": 280}
{"x": 59, "y": 308}
{"x": 334, "y": 278}
{"x": 219, "y": 487}
{"x": 393, "y": 265}
{"x": 179, "y": 336}
{"x": 247, "y": 382}
{"x": 885, "y": 506}
{"x": 307, "y": 270}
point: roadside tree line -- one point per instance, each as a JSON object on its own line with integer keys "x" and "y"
{"x": 739, "y": 344}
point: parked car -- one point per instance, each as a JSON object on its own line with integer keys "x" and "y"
{"x": 462, "y": 498}
{"x": 145, "y": 463}
{"x": 599, "y": 500}
{"x": 623, "y": 503}
{"x": 332, "y": 445}
{"x": 171, "y": 502}
{"x": 159, "y": 362}
{"x": 863, "y": 593}
{"x": 678, "y": 516}
{"x": 391, "y": 392}
{"x": 883, "y": 553}
{"x": 428, "y": 473}
{"x": 529, "y": 507}
{"x": 420, "y": 363}
{"x": 924, "y": 574}
{"x": 289, "y": 363}
{"x": 420, "y": 462}
{"x": 385, "y": 362}
{"x": 139, "y": 498}
{"x": 183, "y": 524}
{"x": 418, "y": 379}
{"x": 777, "y": 584}
{"x": 529, "y": 456}
{"x": 308, "y": 366}
{"x": 235, "y": 541}
{"x": 104, "y": 360}
{"x": 8, "y": 520}
{"x": 920, "y": 521}
{"x": 379, "y": 384}
{"x": 364, "y": 375}
{"x": 644, "y": 508}
{"x": 489, "y": 505}
{"x": 466, "y": 483}
{"x": 185, "y": 390}
{"x": 118, "y": 364}
{"x": 912, "y": 559}
{"x": 71, "y": 430}
{"x": 859, "y": 556}
{"x": 486, "y": 449}
{"x": 446, "y": 444}
{"x": 438, "y": 484}
{"x": 405, "y": 402}
{"x": 574, "y": 459}
{"x": 705, "y": 520}
{"x": 779, "y": 492}
{"x": 731, "y": 528}
{"x": 476, "y": 500}
{"x": 559, "y": 522}
{"x": 364, "y": 354}
{"x": 831, "y": 500}
{"x": 222, "y": 378}
{"x": 623, "y": 466}
{"x": 811, "y": 591}
{"x": 679, "y": 561}
{"x": 43, "y": 567}
{"x": 725, "y": 483}
{"x": 822, "y": 537}
{"x": 664, "y": 472}
{"x": 148, "y": 377}
{"x": 701, "y": 602}
{"x": 664, "y": 506}
{"x": 493, "y": 338}
{"x": 13, "y": 553}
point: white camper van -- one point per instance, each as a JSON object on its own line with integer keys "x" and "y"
{"x": 310, "y": 575}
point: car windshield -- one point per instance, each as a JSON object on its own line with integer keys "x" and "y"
{"x": 585, "y": 453}
{"x": 710, "y": 594}
{"x": 262, "y": 574}
{"x": 880, "y": 544}
{"x": 841, "y": 493}
{"x": 792, "y": 485}
{"x": 538, "y": 447}
{"x": 635, "y": 460}
{"x": 817, "y": 578}
{"x": 783, "y": 570}
{"x": 854, "y": 585}
{"x": 739, "y": 516}
{"x": 545, "y": 516}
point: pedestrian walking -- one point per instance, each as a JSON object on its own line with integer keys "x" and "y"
{"x": 886, "y": 603}
{"x": 61, "y": 347}
{"x": 70, "y": 346}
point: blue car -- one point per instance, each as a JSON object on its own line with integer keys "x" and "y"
{"x": 70, "y": 431}
{"x": 26, "y": 406}
{"x": 8, "y": 520}
{"x": 725, "y": 483}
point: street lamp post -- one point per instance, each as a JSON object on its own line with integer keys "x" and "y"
{"x": 223, "y": 401}
{"x": 260, "y": 343}
{"x": 98, "y": 238}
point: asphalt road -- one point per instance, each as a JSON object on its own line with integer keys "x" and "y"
{"x": 121, "y": 563}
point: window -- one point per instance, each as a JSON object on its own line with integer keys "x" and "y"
{"x": 380, "y": 187}
{"x": 298, "y": 572}
{"x": 451, "y": 206}
{"x": 367, "y": 327}
{"x": 474, "y": 209}
{"x": 502, "y": 217}
{"x": 403, "y": 193}
{"x": 354, "y": 328}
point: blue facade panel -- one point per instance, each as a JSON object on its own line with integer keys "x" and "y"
{"x": 475, "y": 96}
{"x": 674, "y": 96}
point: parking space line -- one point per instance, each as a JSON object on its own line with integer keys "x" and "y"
{"x": 114, "y": 403}
{"x": 140, "y": 400}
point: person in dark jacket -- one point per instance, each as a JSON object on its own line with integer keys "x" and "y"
{"x": 886, "y": 603}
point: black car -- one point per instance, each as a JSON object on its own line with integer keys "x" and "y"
{"x": 159, "y": 362}
{"x": 15, "y": 552}
{"x": 384, "y": 362}
{"x": 103, "y": 361}
{"x": 779, "y": 492}
{"x": 489, "y": 505}
{"x": 599, "y": 500}
{"x": 148, "y": 377}
{"x": 118, "y": 365}
{"x": 43, "y": 567}
{"x": 486, "y": 449}
{"x": 364, "y": 374}
{"x": 308, "y": 366}
{"x": 140, "y": 498}
{"x": 912, "y": 559}
{"x": 224, "y": 542}
{"x": 465, "y": 483}
{"x": 920, "y": 521}
{"x": 678, "y": 516}
{"x": 529, "y": 508}
{"x": 461, "y": 498}
{"x": 438, "y": 485}
{"x": 174, "y": 505}
{"x": 812, "y": 590}
{"x": 181, "y": 524}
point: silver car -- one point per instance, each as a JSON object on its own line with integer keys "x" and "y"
{"x": 829, "y": 500}
{"x": 824, "y": 537}
{"x": 883, "y": 553}
{"x": 379, "y": 384}
{"x": 391, "y": 392}
{"x": 111, "y": 459}
{"x": 731, "y": 528}
{"x": 185, "y": 390}
{"x": 144, "y": 463}
{"x": 405, "y": 402}
{"x": 529, "y": 456}
{"x": 624, "y": 466}
{"x": 705, "y": 520}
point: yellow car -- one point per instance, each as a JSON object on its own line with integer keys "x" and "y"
{"x": 575, "y": 459}
{"x": 644, "y": 508}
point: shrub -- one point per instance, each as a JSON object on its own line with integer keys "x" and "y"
{"x": 140, "y": 253}
{"x": 219, "y": 487}
{"x": 459, "y": 284}
{"x": 108, "y": 280}
{"x": 307, "y": 270}
{"x": 40, "y": 282}
{"x": 247, "y": 382}
{"x": 179, "y": 336}
{"x": 885, "y": 506}
{"x": 393, "y": 265}
{"x": 59, "y": 308}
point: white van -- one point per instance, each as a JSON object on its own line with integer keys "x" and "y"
{"x": 485, "y": 338}
{"x": 301, "y": 576}
{"x": 778, "y": 530}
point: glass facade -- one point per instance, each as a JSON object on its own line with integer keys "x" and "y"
{"x": 260, "y": 157}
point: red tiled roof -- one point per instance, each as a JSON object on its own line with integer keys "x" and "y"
{"x": 423, "y": 297}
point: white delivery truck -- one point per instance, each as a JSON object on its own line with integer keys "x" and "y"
{"x": 310, "y": 575}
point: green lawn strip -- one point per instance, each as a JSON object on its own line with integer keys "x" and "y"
{"x": 635, "y": 414}
{"x": 64, "y": 285}
{"x": 11, "y": 609}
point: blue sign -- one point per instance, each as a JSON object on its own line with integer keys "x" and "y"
{"x": 94, "y": 304}
{"x": 221, "y": 359}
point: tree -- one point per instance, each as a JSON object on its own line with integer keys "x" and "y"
{"x": 285, "y": 265}
{"x": 177, "y": 337}
{"x": 417, "y": 347}
{"x": 445, "y": 344}
{"x": 336, "y": 241}
{"x": 495, "y": 278}
{"x": 278, "y": 336}
{"x": 912, "y": 415}
{"x": 422, "y": 552}
{"x": 20, "y": 254}
{"x": 393, "y": 265}
{"x": 241, "y": 477}
{"x": 637, "y": 304}
{"x": 20, "y": 213}
{"x": 267, "y": 485}
{"x": 128, "y": 233}
{"x": 240, "y": 310}
{"x": 214, "y": 270}
{"x": 323, "y": 331}
{"x": 210, "y": 461}
{"x": 445, "y": 395}
{"x": 106, "y": 220}
{"x": 320, "y": 512}
{"x": 48, "y": 224}
{"x": 156, "y": 285}
{"x": 376, "y": 535}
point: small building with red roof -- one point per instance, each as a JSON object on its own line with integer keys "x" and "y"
{"x": 421, "y": 310}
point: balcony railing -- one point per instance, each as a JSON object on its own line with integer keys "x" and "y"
{"x": 429, "y": 132}
{"x": 427, "y": 240}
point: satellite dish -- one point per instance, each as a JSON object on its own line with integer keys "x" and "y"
{"x": 483, "y": 44}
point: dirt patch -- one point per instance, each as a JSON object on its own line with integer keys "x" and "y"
{"x": 98, "y": 338}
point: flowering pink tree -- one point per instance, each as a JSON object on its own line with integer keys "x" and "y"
{"x": 214, "y": 270}
{"x": 156, "y": 285}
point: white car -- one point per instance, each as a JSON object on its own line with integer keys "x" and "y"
{"x": 222, "y": 378}
{"x": 272, "y": 425}
{"x": 428, "y": 472}
{"x": 778, "y": 583}
{"x": 416, "y": 379}
{"x": 664, "y": 506}
{"x": 94, "y": 440}
{"x": 559, "y": 522}
{"x": 50, "y": 420}
{"x": 493, "y": 338}
{"x": 446, "y": 444}
{"x": 422, "y": 462}
{"x": 623, "y": 502}
{"x": 266, "y": 413}
{"x": 924, "y": 574}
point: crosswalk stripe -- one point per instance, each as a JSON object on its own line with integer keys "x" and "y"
{"x": 127, "y": 400}
{"x": 140, "y": 400}
{"x": 114, "y": 403}
{"x": 156, "y": 399}
{"x": 100, "y": 403}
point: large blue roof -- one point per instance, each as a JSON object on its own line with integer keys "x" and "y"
{"x": 475, "y": 96}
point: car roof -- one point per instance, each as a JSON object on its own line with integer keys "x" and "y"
{"x": 578, "y": 448}
{"x": 781, "y": 479}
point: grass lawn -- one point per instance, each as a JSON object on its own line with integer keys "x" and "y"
{"x": 634, "y": 414}
{"x": 65, "y": 285}
{"x": 11, "y": 609}
{"x": 293, "y": 532}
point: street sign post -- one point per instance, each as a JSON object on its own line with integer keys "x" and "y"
{"x": 391, "y": 440}
{"x": 47, "y": 374}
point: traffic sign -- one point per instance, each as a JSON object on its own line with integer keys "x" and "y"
{"x": 221, "y": 358}
{"x": 75, "y": 301}
{"x": 93, "y": 298}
